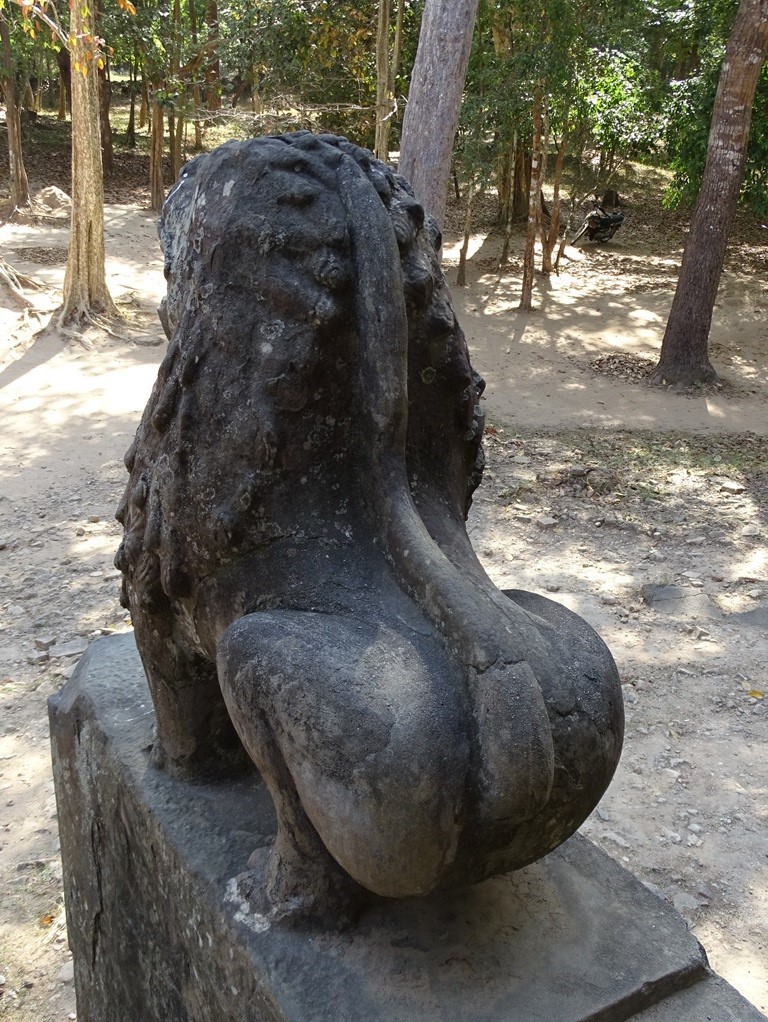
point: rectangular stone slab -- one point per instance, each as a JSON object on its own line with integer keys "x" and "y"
{"x": 159, "y": 932}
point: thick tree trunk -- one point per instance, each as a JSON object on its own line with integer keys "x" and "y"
{"x": 684, "y": 356}
{"x": 18, "y": 174}
{"x": 534, "y": 204}
{"x": 85, "y": 282}
{"x": 434, "y": 102}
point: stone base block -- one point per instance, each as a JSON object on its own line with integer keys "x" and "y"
{"x": 160, "y": 934}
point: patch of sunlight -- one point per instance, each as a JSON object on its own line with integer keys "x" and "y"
{"x": 753, "y": 564}
{"x": 715, "y": 409}
{"x": 645, "y": 316}
{"x": 451, "y": 252}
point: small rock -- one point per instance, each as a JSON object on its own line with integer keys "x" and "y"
{"x": 728, "y": 485}
{"x": 552, "y": 587}
{"x": 695, "y": 828}
{"x": 79, "y": 531}
{"x": 72, "y": 648}
{"x": 602, "y": 815}
{"x": 696, "y": 541}
{"x": 617, "y": 839}
{"x": 671, "y": 836}
{"x": 655, "y": 555}
{"x": 755, "y": 594}
{"x": 45, "y": 642}
{"x": 751, "y": 531}
{"x": 546, "y": 522}
{"x": 93, "y": 519}
{"x": 608, "y": 600}
{"x": 684, "y": 903}
{"x": 67, "y": 974}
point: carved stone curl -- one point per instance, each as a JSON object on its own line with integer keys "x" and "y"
{"x": 295, "y": 558}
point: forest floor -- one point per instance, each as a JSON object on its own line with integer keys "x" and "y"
{"x": 644, "y": 510}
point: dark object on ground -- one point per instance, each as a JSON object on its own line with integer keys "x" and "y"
{"x": 611, "y": 199}
{"x": 599, "y": 225}
{"x": 295, "y": 558}
{"x": 161, "y": 932}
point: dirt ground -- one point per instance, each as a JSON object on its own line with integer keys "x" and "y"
{"x": 645, "y": 511}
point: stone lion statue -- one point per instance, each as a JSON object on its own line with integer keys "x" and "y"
{"x": 295, "y": 558}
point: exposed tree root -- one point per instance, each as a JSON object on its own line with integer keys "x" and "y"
{"x": 15, "y": 281}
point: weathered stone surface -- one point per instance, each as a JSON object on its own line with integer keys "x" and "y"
{"x": 162, "y": 933}
{"x": 678, "y": 601}
{"x": 714, "y": 1000}
{"x": 295, "y": 558}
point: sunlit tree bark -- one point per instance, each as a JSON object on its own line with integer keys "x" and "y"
{"x": 85, "y": 283}
{"x": 434, "y": 100}
{"x": 684, "y": 358}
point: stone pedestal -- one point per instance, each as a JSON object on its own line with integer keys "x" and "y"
{"x": 160, "y": 934}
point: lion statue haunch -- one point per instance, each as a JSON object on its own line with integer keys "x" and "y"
{"x": 295, "y": 558}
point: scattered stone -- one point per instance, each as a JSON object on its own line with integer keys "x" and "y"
{"x": 67, "y": 974}
{"x": 608, "y": 600}
{"x": 546, "y": 522}
{"x": 93, "y": 519}
{"x": 602, "y": 814}
{"x": 671, "y": 835}
{"x": 696, "y": 541}
{"x": 44, "y": 642}
{"x": 751, "y": 531}
{"x": 726, "y": 485}
{"x": 655, "y": 555}
{"x": 678, "y": 601}
{"x": 552, "y": 587}
{"x": 72, "y": 648}
{"x": 617, "y": 839}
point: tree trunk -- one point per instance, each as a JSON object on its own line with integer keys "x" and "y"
{"x": 461, "y": 275}
{"x": 85, "y": 281}
{"x": 156, "y": 183}
{"x": 197, "y": 95}
{"x": 434, "y": 102}
{"x": 549, "y": 241}
{"x": 212, "y": 67}
{"x": 18, "y": 175}
{"x": 105, "y": 97}
{"x": 684, "y": 358}
{"x": 144, "y": 105}
{"x": 534, "y": 203}
{"x": 521, "y": 187}
{"x": 133, "y": 73}
{"x": 381, "y": 146}
{"x": 64, "y": 61}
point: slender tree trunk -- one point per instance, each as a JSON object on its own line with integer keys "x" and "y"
{"x": 107, "y": 150}
{"x": 549, "y": 240}
{"x": 144, "y": 106}
{"x": 85, "y": 281}
{"x": 156, "y": 183}
{"x": 381, "y": 149}
{"x": 461, "y": 275}
{"x": 212, "y": 67}
{"x": 534, "y": 203}
{"x": 434, "y": 102}
{"x": 197, "y": 95}
{"x": 684, "y": 358}
{"x": 64, "y": 62}
{"x": 130, "y": 131}
{"x": 18, "y": 174}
